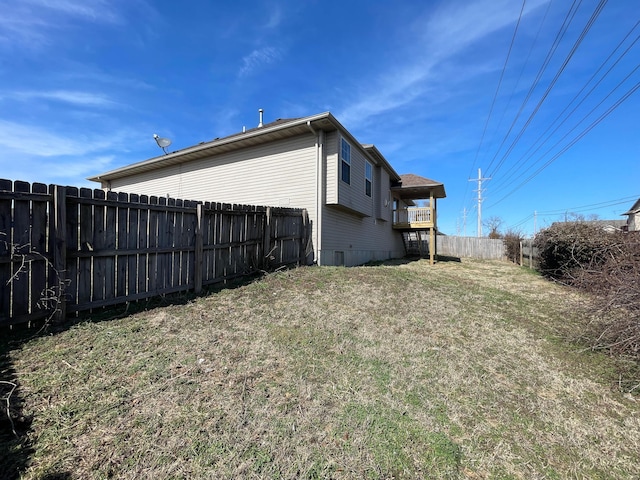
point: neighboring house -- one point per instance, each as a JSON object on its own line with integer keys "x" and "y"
{"x": 609, "y": 226}
{"x": 357, "y": 204}
{"x": 633, "y": 217}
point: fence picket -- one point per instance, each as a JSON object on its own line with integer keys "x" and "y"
{"x": 73, "y": 246}
{"x": 110, "y": 245}
{"x": 39, "y": 263}
{"x": 143, "y": 244}
{"x": 5, "y": 248}
{"x": 98, "y": 245}
{"x": 86, "y": 247}
{"x": 21, "y": 245}
{"x": 122, "y": 239}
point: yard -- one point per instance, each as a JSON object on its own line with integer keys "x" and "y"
{"x": 460, "y": 370}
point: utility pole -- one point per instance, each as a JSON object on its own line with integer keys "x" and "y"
{"x": 535, "y": 218}
{"x": 479, "y": 180}
{"x": 464, "y": 221}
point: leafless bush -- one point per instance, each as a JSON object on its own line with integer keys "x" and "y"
{"x": 615, "y": 281}
{"x": 605, "y": 264}
{"x": 565, "y": 248}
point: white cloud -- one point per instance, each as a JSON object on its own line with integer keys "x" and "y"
{"x": 32, "y": 24}
{"x": 20, "y": 27}
{"x": 96, "y": 10}
{"x": 36, "y": 141}
{"x": 275, "y": 18}
{"x": 33, "y": 154}
{"x": 57, "y": 170}
{"x": 109, "y": 79}
{"x": 67, "y": 96}
{"x": 258, "y": 58}
{"x": 441, "y": 35}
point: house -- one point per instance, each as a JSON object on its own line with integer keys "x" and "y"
{"x": 607, "y": 226}
{"x": 360, "y": 209}
{"x": 633, "y": 217}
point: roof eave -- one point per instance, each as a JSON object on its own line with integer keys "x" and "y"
{"x": 202, "y": 150}
{"x": 373, "y": 152}
{"x": 422, "y": 191}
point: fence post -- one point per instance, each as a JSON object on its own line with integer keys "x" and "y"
{"x": 303, "y": 238}
{"x": 60, "y": 250}
{"x": 266, "y": 241}
{"x": 198, "y": 257}
{"x": 521, "y": 254}
{"x": 531, "y": 253}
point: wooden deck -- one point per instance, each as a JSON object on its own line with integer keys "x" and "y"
{"x": 414, "y": 218}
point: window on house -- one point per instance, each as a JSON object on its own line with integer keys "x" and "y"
{"x": 368, "y": 178}
{"x": 345, "y": 157}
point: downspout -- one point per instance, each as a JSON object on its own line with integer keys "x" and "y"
{"x": 319, "y": 189}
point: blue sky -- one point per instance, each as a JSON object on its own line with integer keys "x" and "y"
{"x": 84, "y": 85}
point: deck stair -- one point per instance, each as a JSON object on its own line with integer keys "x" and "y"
{"x": 416, "y": 242}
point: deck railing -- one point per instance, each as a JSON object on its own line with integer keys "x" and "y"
{"x": 413, "y": 217}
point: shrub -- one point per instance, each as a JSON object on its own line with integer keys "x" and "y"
{"x": 512, "y": 240}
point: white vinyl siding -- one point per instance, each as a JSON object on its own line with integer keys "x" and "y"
{"x": 331, "y": 167}
{"x": 280, "y": 173}
{"x": 348, "y": 196}
{"x": 382, "y": 194}
{"x": 362, "y": 239}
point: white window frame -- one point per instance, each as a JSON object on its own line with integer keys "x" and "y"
{"x": 368, "y": 179}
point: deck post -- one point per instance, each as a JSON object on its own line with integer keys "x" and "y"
{"x": 432, "y": 231}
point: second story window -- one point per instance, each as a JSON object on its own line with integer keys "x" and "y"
{"x": 368, "y": 178}
{"x": 345, "y": 161}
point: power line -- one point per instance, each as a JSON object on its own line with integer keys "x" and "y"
{"x": 556, "y": 42}
{"x": 574, "y": 48}
{"x": 495, "y": 95}
{"x": 520, "y": 163}
{"x": 525, "y": 63}
{"x": 593, "y": 206}
{"x": 579, "y": 209}
{"x": 575, "y": 139}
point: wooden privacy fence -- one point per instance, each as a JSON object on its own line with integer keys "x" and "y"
{"x": 65, "y": 250}
{"x": 471, "y": 247}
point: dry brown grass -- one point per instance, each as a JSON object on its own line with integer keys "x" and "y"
{"x": 393, "y": 371}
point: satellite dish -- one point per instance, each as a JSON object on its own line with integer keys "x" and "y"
{"x": 162, "y": 142}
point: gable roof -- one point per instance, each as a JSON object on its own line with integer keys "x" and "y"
{"x": 270, "y": 132}
{"x": 634, "y": 209}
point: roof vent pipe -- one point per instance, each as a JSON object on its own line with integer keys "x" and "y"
{"x": 260, "y": 111}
